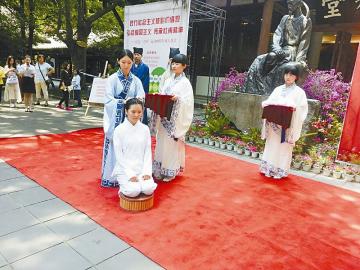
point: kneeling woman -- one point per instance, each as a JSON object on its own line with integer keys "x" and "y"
{"x": 132, "y": 146}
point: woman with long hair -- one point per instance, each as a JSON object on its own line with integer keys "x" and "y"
{"x": 27, "y": 73}
{"x": 12, "y": 88}
{"x": 120, "y": 86}
{"x": 65, "y": 82}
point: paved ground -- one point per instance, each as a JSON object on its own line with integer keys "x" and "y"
{"x": 39, "y": 231}
{"x": 15, "y": 122}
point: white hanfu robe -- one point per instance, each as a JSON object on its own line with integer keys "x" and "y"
{"x": 277, "y": 156}
{"x": 118, "y": 89}
{"x": 170, "y": 140}
{"x": 132, "y": 145}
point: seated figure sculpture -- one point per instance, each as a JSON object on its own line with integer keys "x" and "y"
{"x": 291, "y": 42}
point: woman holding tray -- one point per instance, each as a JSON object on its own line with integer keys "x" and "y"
{"x": 280, "y": 142}
{"x": 170, "y": 146}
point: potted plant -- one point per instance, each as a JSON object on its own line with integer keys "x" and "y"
{"x": 328, "y": 169}
{"x": 357, "y": 175}
{"x": 297, "y": 161}
{"x": 229, "y": 143}
{"x": 307, "y": 163}
{"x": 240, "y": 147}
{"x": 260, "y": 144}
{"x": 191, "y": 136}
{"x": 318, "y": 165}
{"x": 247, "y": 151}
{"x": 349, "y": 173}
{"x": 338, "y": 171}
{"x": 211, "y": 141}
{"x": 217, "y": 142}
{"x": 199, "y": 136}
{"x": 206, "y": 138}
{"x": 222, "y": 141}
{"x": 254, "y": 151}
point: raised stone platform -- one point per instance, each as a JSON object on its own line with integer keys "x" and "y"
{"x": 244, "y": 109}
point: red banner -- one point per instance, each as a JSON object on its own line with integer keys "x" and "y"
{"x": 349, "y": 148}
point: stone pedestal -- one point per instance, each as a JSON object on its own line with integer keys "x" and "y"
{"x": 245, "y": 110}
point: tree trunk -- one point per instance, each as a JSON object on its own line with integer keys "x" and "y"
{"x": 78, "y": 57}
{"x": 22, "y": 25}
{"x": 31, "y": 26}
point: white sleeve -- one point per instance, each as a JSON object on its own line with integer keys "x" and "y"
{"x": 298, "y": 118}
{"x": 185, "y": 111}
{"x": 147, "y": 169}
{"x": 110, "y": 103}
{"x": 121, "y": 166}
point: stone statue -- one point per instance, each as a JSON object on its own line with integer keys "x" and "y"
{"x": 291, "y": 42}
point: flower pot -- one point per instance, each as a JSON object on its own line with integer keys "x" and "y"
{"x": 211, "y": 142}
{"x": 199, "y": 140}
{"x": 247, "y": 152}
{"x": 229, "y": 147}
{"x": 222, "y": 146}
{"x": 260, "y": 155}
{"x": 349, "y": 177}
{"x": 316, "y": 169}
{"x": 235, "y": 148}
{"x": 206, "y": 141}
{"x": 357, "y": 178}
{"x": 337, "y": 175}
{"x": 297, "y": 165}
{"x": 191, "y": 139}
{"x": 254, "y": 154}
{"x": 186, "y": 138}
{"x": 307, "y": 167}
{"x": 326, "y": 172}
{"x": 217, "y": 144}
{"x": 240, "y": 151}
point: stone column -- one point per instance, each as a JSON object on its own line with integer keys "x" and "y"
{"x": 314, "y": 50}
{"x": 265, "y": 27}
{"x": 343, "y": 56}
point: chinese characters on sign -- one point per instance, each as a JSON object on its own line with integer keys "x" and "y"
{"x": 156, "y": 27}
{"x": 156, "y": 31}
{"x": 152, "y": 21}
{"x": 337, "y": 11}
{"x": 332, "y": 6}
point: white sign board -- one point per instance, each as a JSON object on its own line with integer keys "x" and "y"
{"x": 157, "y": 27}
{"x": 97, "y": 93}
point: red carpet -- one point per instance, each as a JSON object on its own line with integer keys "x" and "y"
{"x": 220, "y": 215}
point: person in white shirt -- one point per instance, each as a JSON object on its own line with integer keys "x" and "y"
{"x": 12, "y": 89}
{"x": 76, "y": 87}
{"x": 132, "y": 145}
{"x": 43, "y": 70}
{"x": 27, "y": 72}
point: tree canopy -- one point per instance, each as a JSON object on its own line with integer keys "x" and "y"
{"x": 28, "y": 22}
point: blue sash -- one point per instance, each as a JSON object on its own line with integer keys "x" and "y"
{"x": 126, "y": 83}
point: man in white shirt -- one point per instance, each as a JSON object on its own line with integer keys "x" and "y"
{"x": 42, "y": 70}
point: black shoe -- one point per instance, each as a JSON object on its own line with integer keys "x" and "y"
{"x": 37, "y": 103}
